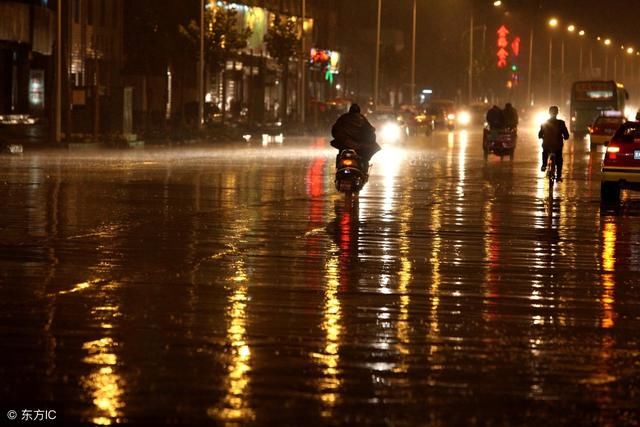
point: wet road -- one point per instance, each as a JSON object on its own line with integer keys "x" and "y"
{"x": 234, "y": 286}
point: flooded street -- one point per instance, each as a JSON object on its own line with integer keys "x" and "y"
{"x": 235, "y": 286}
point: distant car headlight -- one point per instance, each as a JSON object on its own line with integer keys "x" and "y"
{"x": 451, "y": 116}
{"x": 464, "y": 118}
{"x": 391, "y": 132}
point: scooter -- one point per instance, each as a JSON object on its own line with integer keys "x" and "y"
{"x": 501, "y": 142}
{"x": 351, "y": 172}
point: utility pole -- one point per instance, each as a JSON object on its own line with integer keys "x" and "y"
{"x": 413, "y": 55}
{"x": 471, "y": 59}
{"x": 303, "y": 73}
{"x": 377, "y": 70}
{"x": 530, "y": 73}
{"x": 58, "y": 108}
{"x": 201, "y": 70}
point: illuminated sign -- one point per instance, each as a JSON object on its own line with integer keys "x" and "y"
{"x": 503, "y": 44}
{"x": 515, "y": 46}
{"x": 36, "y": 89}
{"x": 328, "y": 60}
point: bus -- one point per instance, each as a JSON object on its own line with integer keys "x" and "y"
{"x": 590, "y": 98}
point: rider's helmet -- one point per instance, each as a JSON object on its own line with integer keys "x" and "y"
{"x": 355, "y": 108}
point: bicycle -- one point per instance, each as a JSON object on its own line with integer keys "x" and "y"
{"x": 551, "y": 173}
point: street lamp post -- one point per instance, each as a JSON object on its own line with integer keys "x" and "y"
{"x": 201, "y": 70}
{"x": 413, "y": 54}
{"x": 58, "y": 117}
{"x": 581, "y": 33}
{"x": 377, "y": 68}
{"x": 607, "y": 43}
{"x": 303, "y": 72}
{"x": 471, "y": 59}
{"x": 553, "y": 23}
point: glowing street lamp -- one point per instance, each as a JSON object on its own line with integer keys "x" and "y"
{"x": 553, "y": 23}
{"x": 571, "y": 28}
{"x": 497, "y": 3}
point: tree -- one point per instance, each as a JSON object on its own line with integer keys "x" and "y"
{"x": 282, "y": 44}
{"x": 223, "y": 40}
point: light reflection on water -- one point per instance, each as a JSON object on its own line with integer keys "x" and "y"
{"x": 609, "y": 237}
{"x": 104, "y": 383}
{"x": 545, "y": 277}
{"x": 235, "y": 406}
{"x": 330, "y": 382}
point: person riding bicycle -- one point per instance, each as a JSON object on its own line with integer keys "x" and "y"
{"x": 553, "y": 133}
{"x": 353, "y": 131}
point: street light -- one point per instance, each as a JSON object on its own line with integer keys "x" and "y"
{"x": 553, "y": 23}
{"x": 607, "y": 42}
{"x": 377, "y": 70}
{"x": 413, "y": 53}
{"x": 497, "y": 3}
{"x": 571, "y": 28}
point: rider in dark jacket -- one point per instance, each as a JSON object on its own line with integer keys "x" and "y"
{"x": 495, "y": 118}
{"x": 553, "y": 133}
{"x": 510, "y": 116}
{"x": 353, "y": 131}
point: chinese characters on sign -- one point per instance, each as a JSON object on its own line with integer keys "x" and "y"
{"x": 503, "y": 44}
{"x": 508, "y": 52}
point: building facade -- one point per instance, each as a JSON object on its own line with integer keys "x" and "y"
{"x": 26, "y": 47}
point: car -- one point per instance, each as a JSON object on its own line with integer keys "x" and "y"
{"x": 472, "y": 115}
{"x": 417, "y": 122}
{"x": 443, "y": 112}
{"x": 621, "y": 163}
{"x": 389, "y": 127}
{"x": 604, "y": 127}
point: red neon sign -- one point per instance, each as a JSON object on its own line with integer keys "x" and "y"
{"x": 503, "y": 44}
{"x": 515, "y": 46}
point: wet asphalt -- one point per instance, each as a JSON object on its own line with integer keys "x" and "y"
{"x": 233, "y": 286}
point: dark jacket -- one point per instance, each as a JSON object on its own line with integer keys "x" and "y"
{"x": 510, "y": 117}
{"x": 353, "y": 130}
{"x": 495, "y": 118}
{"x": 553, "y": 133}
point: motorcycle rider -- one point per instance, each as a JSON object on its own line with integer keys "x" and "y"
{"x": 353, "y": 131}
{"x": 510, "y": 116}
{"x": 553, "y": 133}
{"x": 495, "y": 118}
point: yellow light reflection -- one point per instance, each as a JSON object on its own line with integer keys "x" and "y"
{"x": 609, "y": 236}
{"x": 331, "y": 325}
{"x": 462, "y": 158}
{"x": 235, "y": 405}
{"x": 436, "y": 252}
{"x": 104, "y": 383}
{"x": 404, "y": 278}
{"x": 391, "y": 162}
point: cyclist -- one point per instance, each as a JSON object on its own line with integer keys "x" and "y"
{"x": 553, "y": 133}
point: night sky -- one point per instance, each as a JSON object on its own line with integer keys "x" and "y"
{"x": 443, "y": 28}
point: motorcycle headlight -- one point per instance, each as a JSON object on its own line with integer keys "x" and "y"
{"x": 391, "y": 132}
